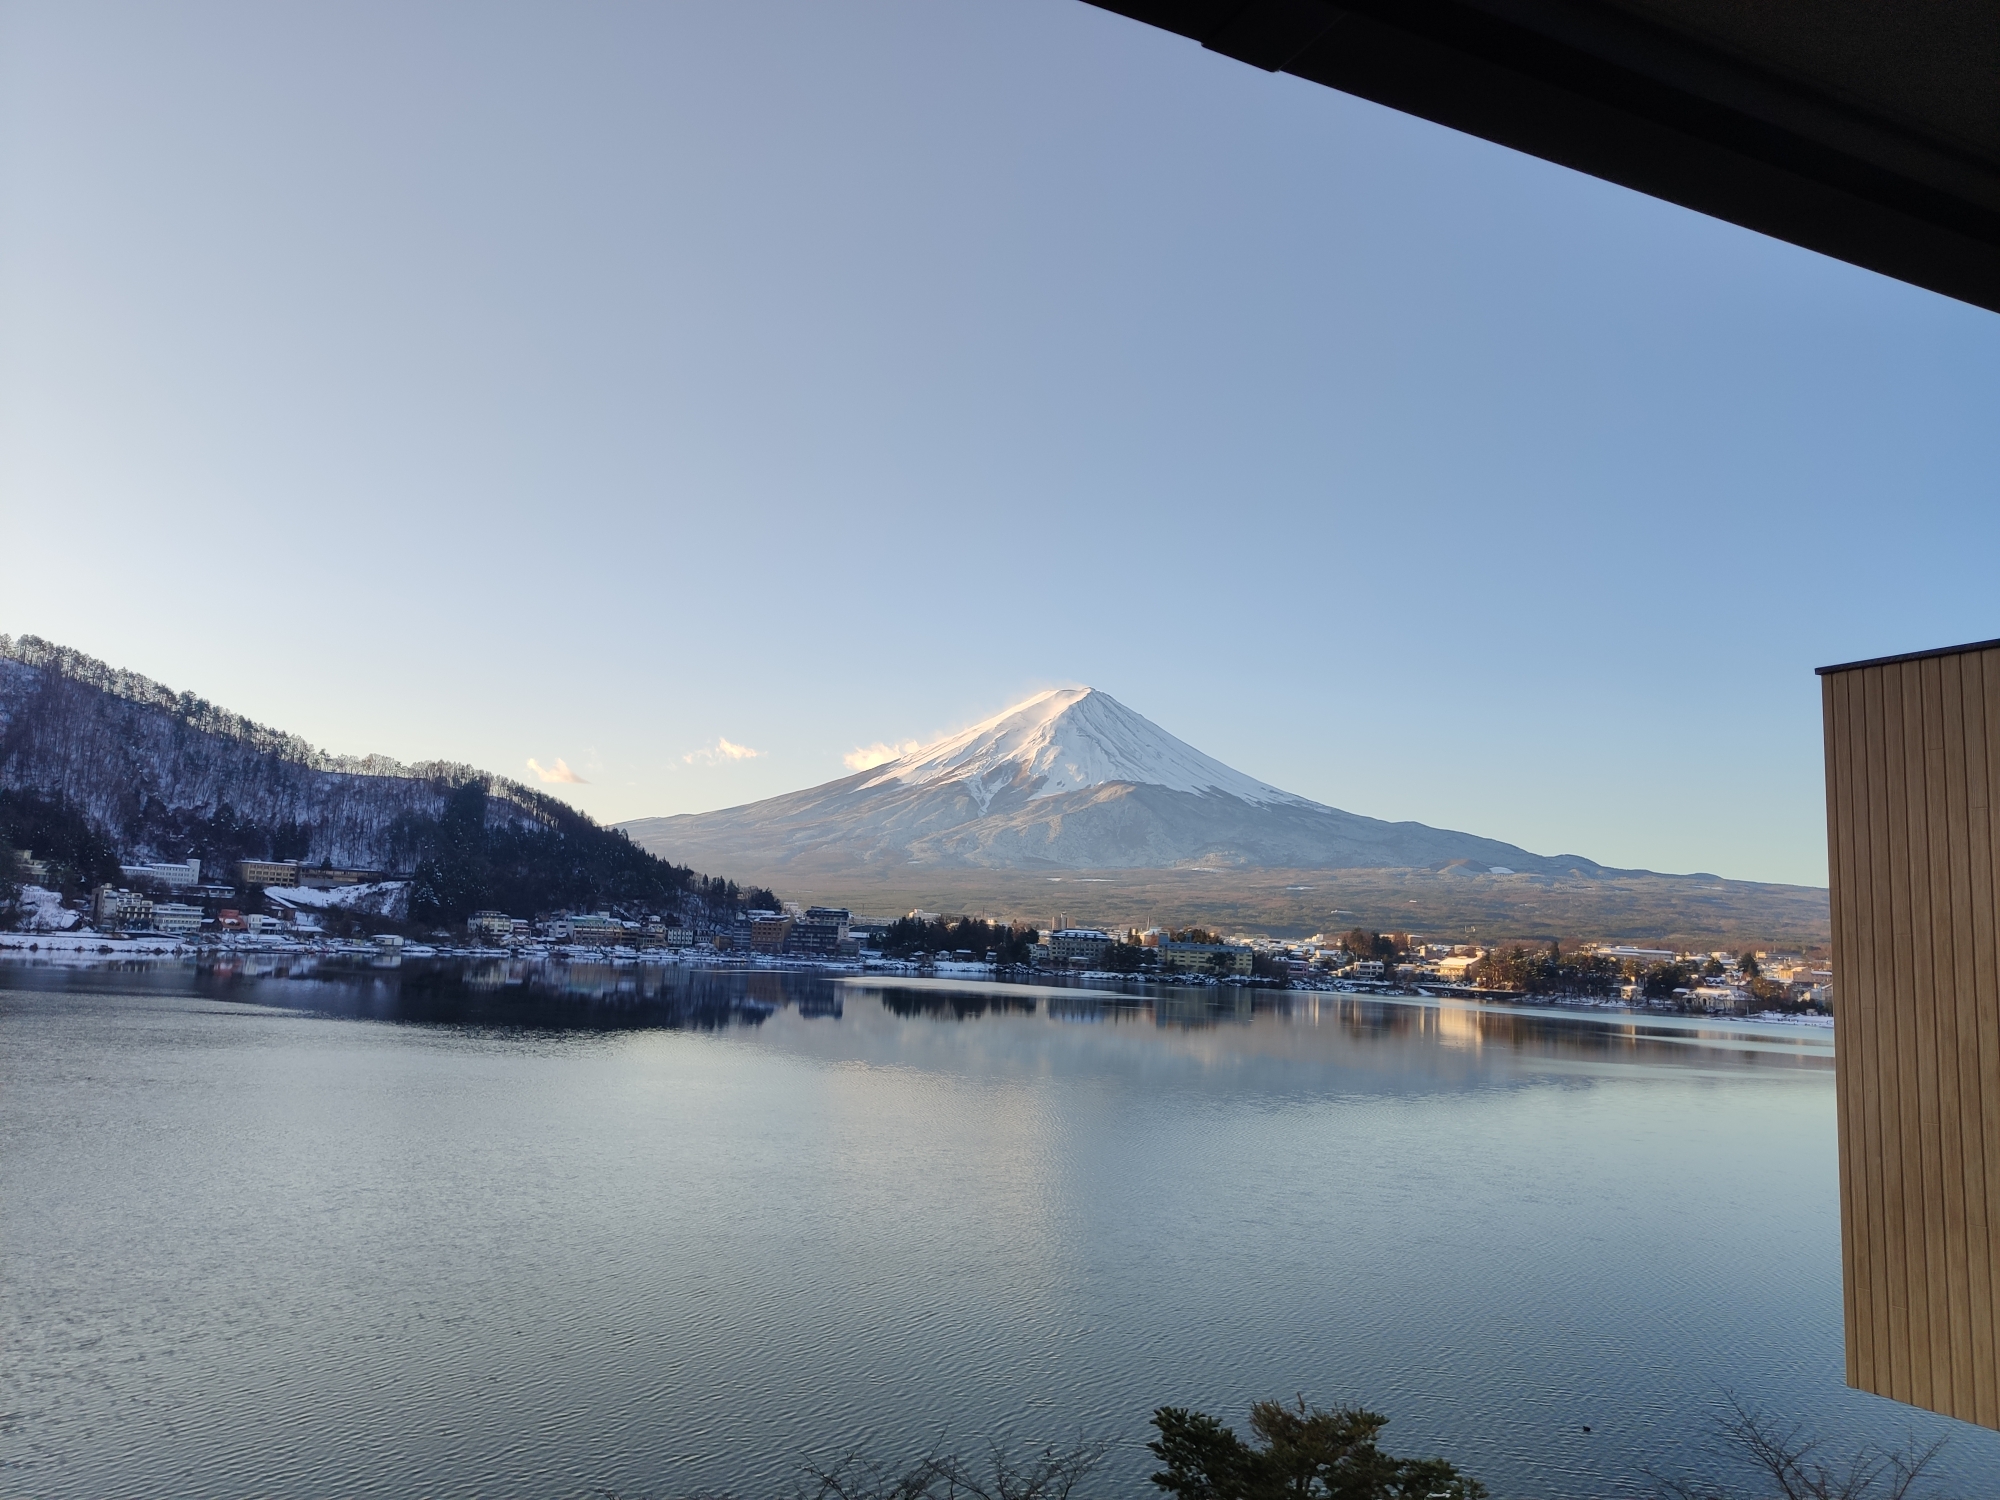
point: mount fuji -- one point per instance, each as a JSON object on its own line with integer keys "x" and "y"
{"x": 1070, "y": 779}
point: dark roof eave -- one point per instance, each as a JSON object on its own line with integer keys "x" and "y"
{"x": 1890, "y": 661}
{"x": 1604, "y": 89}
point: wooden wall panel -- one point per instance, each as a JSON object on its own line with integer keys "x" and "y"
{"x": 1912, "y": 783}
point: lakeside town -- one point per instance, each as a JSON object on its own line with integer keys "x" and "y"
{"x": 284, "y": 904}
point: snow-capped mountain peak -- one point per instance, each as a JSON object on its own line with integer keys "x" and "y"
{"x": 1069, "y": 780}
{"x": 1067, "y": 740}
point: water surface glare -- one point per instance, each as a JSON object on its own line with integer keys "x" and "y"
{"x": 459, "y": 1232}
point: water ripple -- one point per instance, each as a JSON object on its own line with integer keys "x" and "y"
{"x": 251, "y": 1253}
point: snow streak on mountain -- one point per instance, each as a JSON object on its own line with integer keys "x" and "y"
{"x": 1068, "y": 739}
{"x": 1074, "y": 779}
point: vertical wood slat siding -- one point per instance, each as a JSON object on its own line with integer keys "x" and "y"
{"x": 1855, "y": 1265}
{"x": 1950, "y": 1302}
{"x": 1934, "y": 1277}
{"x": 1973, "y": 1374}
{"x": 1872, "y": 1192}
{"x": 1916, "y": 1044}
{"x": 1913, "y": 817}
{"x": 1892, "y": 1161}
{"x": 1984, "y": 840}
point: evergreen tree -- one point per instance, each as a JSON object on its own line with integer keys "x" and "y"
{"x": 1303, "y": 1453}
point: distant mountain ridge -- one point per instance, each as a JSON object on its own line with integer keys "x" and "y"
{"x": 994, "y": 815}
{"x": 1069, "y": 779}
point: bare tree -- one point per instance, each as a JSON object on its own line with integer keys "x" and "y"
{"x": 1050, "y": 1474}
{"x": 1789, "y": 1464}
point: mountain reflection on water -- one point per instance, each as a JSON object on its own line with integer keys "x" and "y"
{"x": 542, "y": 994}
{"x": 301, "y": 1226}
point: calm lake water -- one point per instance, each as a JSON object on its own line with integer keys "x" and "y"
{"x": 499, "y": 1233}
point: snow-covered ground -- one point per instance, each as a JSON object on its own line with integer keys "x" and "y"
{"x": 383, "y": 898}
{"x": 91, "y": 946}
{"x": 42, "y": 910}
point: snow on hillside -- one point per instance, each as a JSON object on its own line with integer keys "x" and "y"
{"x": 139, "y": 761}
{"x": 382, "y": 898}
{"x": 1068, "y": 740}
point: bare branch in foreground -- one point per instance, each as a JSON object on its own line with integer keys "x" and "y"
{"x": 1050, "y": 1474}
{"x": 1793, "y": 1463}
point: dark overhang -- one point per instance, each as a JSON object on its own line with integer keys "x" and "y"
{"x": 1868, "y": 130}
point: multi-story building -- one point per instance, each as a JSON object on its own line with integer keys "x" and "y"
{"x": 820, "y": 933}
{"x": 1072, "y": 945}
{"x": 267, "y": 872}
{"x": 119, "y": 909}
{"x": 325, "y": 878}
{"x": 1641, "y": 956}
{"x": 590, "y": 927}
{"x": 183, "y": 874}
{"x": 490, "y": 926}
{"x": 1205, "y": 958}
{"x": 36, "y": 871}
{"x": 768, "y": 931}
{"x": 176, "y": 917}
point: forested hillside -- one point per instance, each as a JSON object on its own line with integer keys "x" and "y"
{"x": 109, "y": 761}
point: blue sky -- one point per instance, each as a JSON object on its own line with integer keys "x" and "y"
{"x": 605, "y": 382}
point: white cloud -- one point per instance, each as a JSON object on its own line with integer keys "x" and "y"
{"x": 866, "y": 758}
{"x": 720, "y": 753}
{"x": 560, "y": 771}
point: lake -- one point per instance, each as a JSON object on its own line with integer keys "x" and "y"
{"x": 500, "y": 1230}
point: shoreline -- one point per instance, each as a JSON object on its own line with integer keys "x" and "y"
{"x": 89, "y": 950}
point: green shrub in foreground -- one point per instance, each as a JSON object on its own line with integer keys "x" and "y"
{"x": 1303, "y": 1453}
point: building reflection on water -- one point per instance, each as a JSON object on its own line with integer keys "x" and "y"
{"x": 1550, "y": 1033}
{"x": 553, "y": 994}
{"x": 538, "y": 993}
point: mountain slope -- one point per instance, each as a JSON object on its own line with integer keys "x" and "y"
{"x": 1071, "y": 779}
{"x": 145, "y": 765}
{"x": 155, "y": 774}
